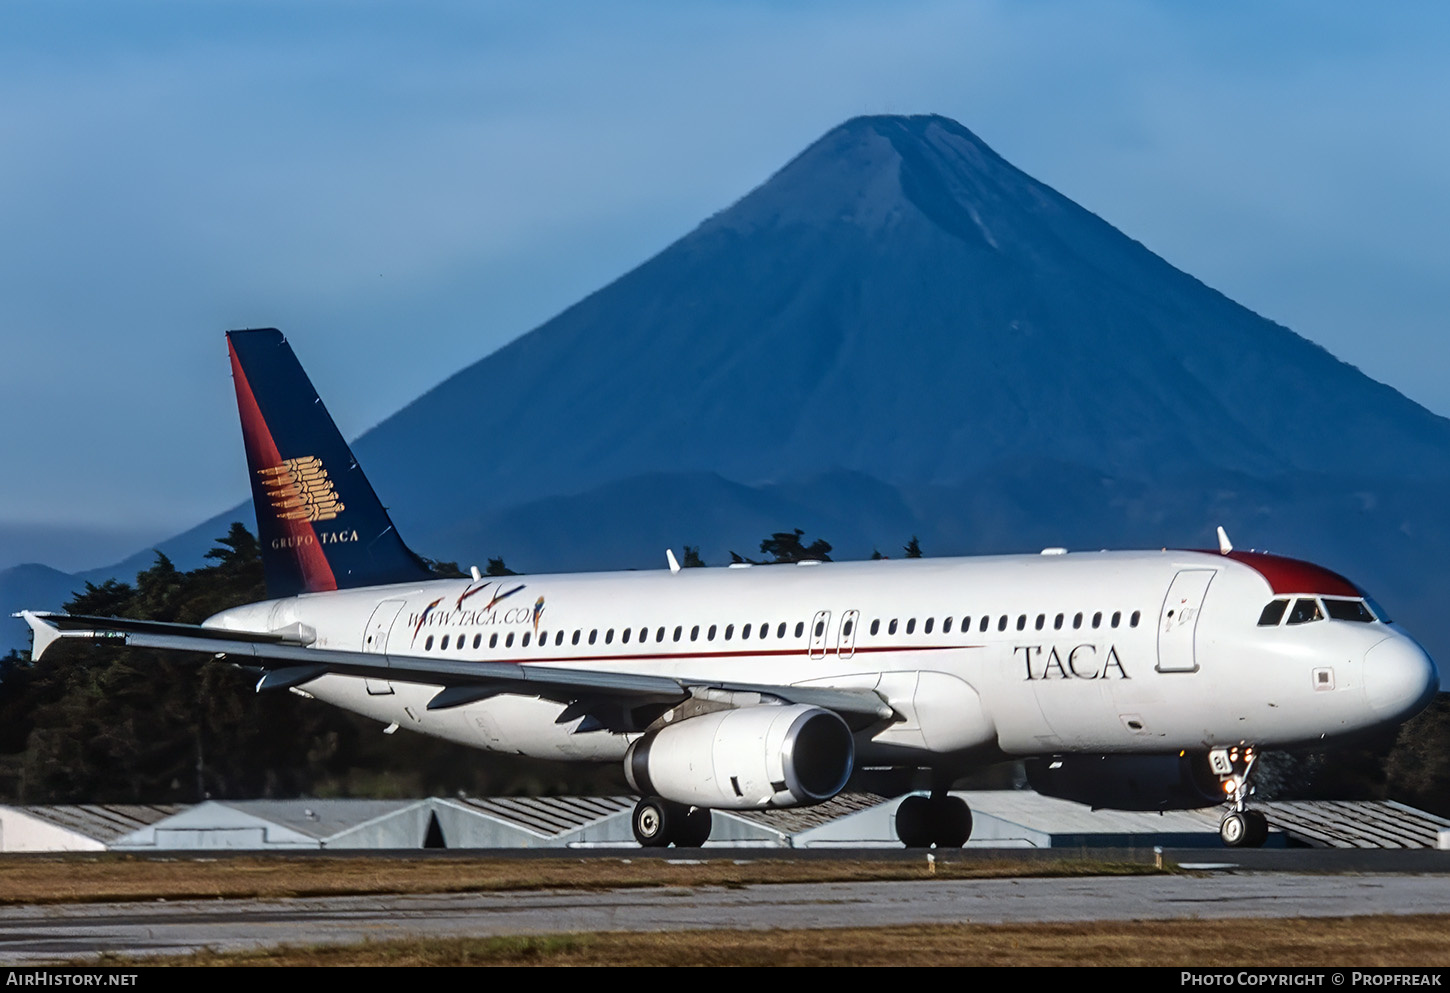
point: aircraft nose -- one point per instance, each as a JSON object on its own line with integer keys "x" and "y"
{"x": 1399, "y": 678}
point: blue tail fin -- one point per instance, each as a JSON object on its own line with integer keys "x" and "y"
{"x": 320, "y": 525}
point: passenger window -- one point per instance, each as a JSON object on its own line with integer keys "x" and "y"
{"x": 525, "y": 642}
{"x": 609, "y": 636}
{"x": 477, "y": 640}
{"x": 1348, "y": 610}
{"x": 876, "y": 626}
{"x": 926, "y": 629}
{"x": 1305, "y": 610}
{"x": 847, "y": 628}
{"x": 1021, "y": 622}
{"x": 593, "y": 634}
{"x": 729, "y": 631}
{"x": 1057, "y": 623}
{"x": 1041, "y": 620}
{"x": 1002, "y": 623}
{"x": 1097, "y": 620}
{"x": 985, "y": 621}
{"x": 946, "y": 626}
{"x": 443, "y": 645}
{"x": 1133, "y": 621}
{"x": 891, "y": 628}
{"x": 509, "y": 641}
{"x": 800, "y": 628}
{"x": 1077, "y": 620}
{"x": 710, "y": 634}
{"x": 660, "y": 635}
{"x": 780, "y": 631}
{"x": 572, "y": 641}
{"x": 493, "y": 640}
{"x": 1117, "y": 618}
{"x": 623, "y": 637}
{"x": 558, "y": 638}
{"x": 695, "y": 633}
{"x": 911, "y": 626}
{"x": 1273, "y": 613}
{"x": 765, "y": 630}
{"x": 745, "y": 632}
{"x": 679, "y": 630}
{"x": 428, "y": 643}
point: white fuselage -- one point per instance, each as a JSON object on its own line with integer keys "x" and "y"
{"x": 1111, "y": 652}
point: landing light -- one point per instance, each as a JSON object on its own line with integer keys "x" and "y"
{"x": 1230, "y": 786}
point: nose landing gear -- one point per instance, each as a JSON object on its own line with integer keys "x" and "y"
{"x": 1241, "y": 827}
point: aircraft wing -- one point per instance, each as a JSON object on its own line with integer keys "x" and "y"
{"x": 288, "y": 660}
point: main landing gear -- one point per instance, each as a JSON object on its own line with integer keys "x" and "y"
{"x": 1241, "y": 827}
{"x": 658, "y": 823}
{"x": 941, "y": 820}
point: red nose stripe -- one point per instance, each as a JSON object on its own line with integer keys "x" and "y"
{"x": 1293, "y": 576}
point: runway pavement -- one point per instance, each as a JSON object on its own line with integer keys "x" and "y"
{"x": 48, "y": 934}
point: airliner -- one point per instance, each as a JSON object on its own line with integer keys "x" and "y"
{"x": 1145, "y": 680}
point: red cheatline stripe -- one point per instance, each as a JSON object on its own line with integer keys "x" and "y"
{"x": 261, "y": 453}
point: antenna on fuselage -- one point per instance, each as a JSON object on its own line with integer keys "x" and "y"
{"x": 1224, "y": 545}
{"x": 670, "y": 557}
{"x": 473, "y": 571}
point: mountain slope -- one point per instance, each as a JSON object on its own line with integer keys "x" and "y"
{"x": 900, "y": 333}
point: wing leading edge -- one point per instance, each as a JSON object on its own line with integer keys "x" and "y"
{"x": 289, "y": 661}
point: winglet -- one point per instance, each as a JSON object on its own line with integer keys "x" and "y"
{"x": 1224, "y": 545}
{"x": 674, "y": 563}
{"x": 43, "y": 634}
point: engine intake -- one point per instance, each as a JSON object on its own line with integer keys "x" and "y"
{"x": 745, "y": 759}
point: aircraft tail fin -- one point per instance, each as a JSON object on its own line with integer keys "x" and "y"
{"x": 320, "y": 525}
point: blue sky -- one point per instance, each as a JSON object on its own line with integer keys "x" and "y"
{"x": 402, "y": 188}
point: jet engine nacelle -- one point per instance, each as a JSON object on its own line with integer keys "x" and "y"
{"x": 1128, "y": 782}
{"x": 745, "y": 759}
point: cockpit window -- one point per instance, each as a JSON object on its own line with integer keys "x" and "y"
{"x": 1348, "y": 610}
{"x": 1377, "y": 610}
{"x": 1305, "y": 610}
{"x": 1273, "y": 613}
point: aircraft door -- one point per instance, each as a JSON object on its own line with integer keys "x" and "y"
{"x": 846, "y": 639}
{"x": 819, "y": 633}
{"x": 1178, "y": 620}
{"x": 375, "y": 640}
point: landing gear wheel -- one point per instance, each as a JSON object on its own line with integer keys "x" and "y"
{"x": 1244, "y": 829}
{"x": 945, "y": 822}
{"x": 1234, "y": 830}
{"x": 952, "y": 821}
{"x": 693, "y": 830}
{"x": 914, "y": 822}
{"x": 1258, "y": 826}
{"x": 653, "y": 822}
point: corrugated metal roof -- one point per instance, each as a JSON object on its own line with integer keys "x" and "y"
{"x": 548, "y": 815}
{"x": 1355, "y": 823}
{"x": 319, "y": 818}
{"x": 103, "y": 822}
{"x": 793, "y": 820}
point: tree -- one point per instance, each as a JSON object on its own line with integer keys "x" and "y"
{"x": 785, "y": 547}
{"x": 912, "y": 548}
{"x": 692, "y": 558}
{"x": 497, "y": 568}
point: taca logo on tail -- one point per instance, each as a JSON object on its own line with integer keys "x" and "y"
{"x": 300, "y": 490}
{"x": 327, "y": 530}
